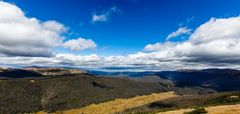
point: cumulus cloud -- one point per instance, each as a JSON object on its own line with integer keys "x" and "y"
{"x": 79, "y": 44}
{"x": 216, "y": 41}
{"x": 180, "y": 31}
{"x": 104, "y": 17}
{"x": 24, "y": 36}
{"x": 159, "y": 46}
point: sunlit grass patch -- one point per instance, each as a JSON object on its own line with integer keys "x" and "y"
{"x": 119, "y": 105}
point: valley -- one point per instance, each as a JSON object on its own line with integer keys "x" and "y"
{"x": 66, "y": 90}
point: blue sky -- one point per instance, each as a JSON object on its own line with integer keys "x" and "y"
{"x": 138, "y": 22}
{"x": 150, "y": 35}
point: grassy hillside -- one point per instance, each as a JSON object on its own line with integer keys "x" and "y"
{"x": 225, "y": 109}
{"x": 182, "y": 102}
{"x": 118, "y": 105}
{"x": 67, "y": 92}
{"x": 56, "y": 89}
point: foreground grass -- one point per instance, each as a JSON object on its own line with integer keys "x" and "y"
{"x": 225, "y": 109}
{"x": 190, "y": 101}
{"x": 118, "y": 105}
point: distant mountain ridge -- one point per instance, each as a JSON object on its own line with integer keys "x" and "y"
{"x": 217, "y": 79}
{"x": 52, "y": 89}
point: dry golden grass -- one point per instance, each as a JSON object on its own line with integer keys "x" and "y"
{"x": 118, "y": 105}
{"x": 41, "y": 112}
{"x": 225, "y": 109}
{"x": 228, "y": 109}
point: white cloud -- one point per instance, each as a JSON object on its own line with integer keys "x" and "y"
{"x": 98, "y": 18}
{"x": 216, "y": 43}
{"x": 159, "y": 46}
{"x": 217, "y": 38}
{"x": 54, "y": 26}
{"x": 104, "y": 17}
{"x": 24, "y": 36}
{"x": 180, "y": 31}
{"x": 79, "y": 44}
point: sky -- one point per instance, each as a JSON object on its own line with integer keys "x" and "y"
{"x": 156, "y": 34}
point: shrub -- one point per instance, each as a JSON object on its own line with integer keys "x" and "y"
{"x": 197, "y": 110}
